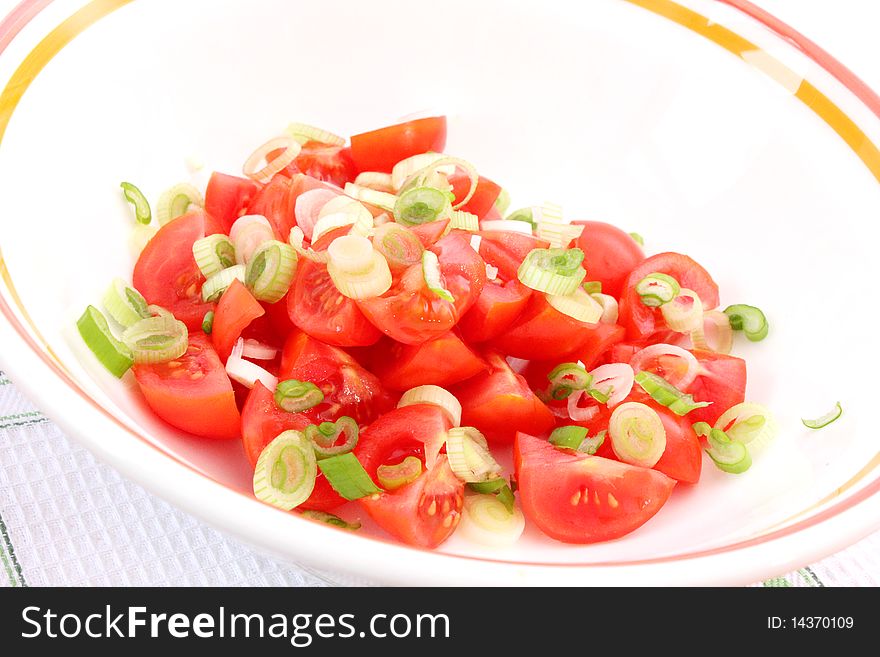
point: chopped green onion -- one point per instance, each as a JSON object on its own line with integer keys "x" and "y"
{"x": 684, "y": 314}
{"x": 400, "y": 246}
{"x": 668, "y": 395}
{"x": 113, "y": 354}
{"x": 749, "y": 320}
{"x": 347, "y": 476}
{"x": 464, "y": 221}
{"x": 213, "y": 254}
{"x": 296, "y": 396}
{"x": 215, "y": 286}
{"x": 157, "y": 339}
{"x": 559, "y": 235}
{"x": 125, "y": 304}
{"x": 638, "y": 239}
{"x": 286, "y": 471}
{"x": 208, "y": 322}
{"x": 325, "y": 437}
{"x": 601, "y": 396}
{"x": 729, "y": 455}
{"x": 525, "y": 214}
{"x": 270, "y": 271}
{"x": 469, "y": 455}
{"x": 343, "y": 211}
{"x": 423, "y": 164}
{"x": 248, "y": 233}
{"x": 141, "y": 206}
{"x": 357, "y": 270}
{"x": 592, "y": 287}
{"x": 702, "y": 429}
{"x": 330, "y": 519}
{"x": 592, "y": 445}
{"x": 565, "y": 379}
{"x": 638, "y": 436}
{"x": 488, "y": 521}
{"x": 826, "y": 419}
{"x": 578, "y": 305}
{"x": 429, "y": 177}
{"x": 421, "y": 205}
{"x": 502, "y": 203}
{"x": 383, "y": 200}
{"x": 431, "y": 271}
{"x": 303, "y": 132}
{"x": 175, "y": 202}
{"x": 610, "y": 308}
{"x": 568, "y": 437}
{"x": 657, "y": 288}
{"x": 395, "y": 476}
{"x": 500, "y": 488}
{"x": 748, "y": 423}
{"x": 436, "y": 396}
{"x": 554, "y": 271}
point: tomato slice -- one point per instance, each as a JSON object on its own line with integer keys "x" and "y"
{"x": 641, "y": 321}
{"x": 332, "y": 164}
{"x": 496, "y": 309}
{"x": 380, "y": 150}
{"x": 192, "y": 392}
{"x": 484, "y": 196}
{"x": 236, "y": 309}
{"x": 228, "y": 197}
{"x": 499, "y": 403}
{"x": 430, "y": 232}
{"x": 723, "y": 384}
{"x": 577, "y": 498}
{"x": 441, "y": 362}
{"x": 411, "y": 313}
{"x": 166, "y": 273}
{"x": 274, "y": 202}
{"x": 609, "y": 255}
{"x": 348, "y": 388}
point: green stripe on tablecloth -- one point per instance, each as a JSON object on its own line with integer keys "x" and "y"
{"x": 777, "y": 582}
{"x": 810, "y": 577}
{"x": 10, "y": 561}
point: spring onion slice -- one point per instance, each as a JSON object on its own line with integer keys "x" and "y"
{"x": 464, "y": 221}
{"x": 176, "y": 201}
{"x": 270, "y": 271}
{"x": 359, "y": 214}
{"x": 469, "y": 455}
{"x": 286, "y": 471}
{"x": 657, "y": 288}
{"x": 525, "y": 215}
{"x": 421, "y": 205}
{"x": 208, "y": 322}
{"x": 247, "y": 234}
{"x": 436, "y": 396}
{"x": 662, "y": 352}
{"x": 666, "y": 394}
{"x": 325, "y": 437}
{"x": 826, "y": 419}
{"x": 417, "y": 178}
{"x": 215, "y": 286}
{"x": 303, "y": 132}
{"x": 749, "y": 320}
{"x": 497, "y": 487}
{"x": 570, "y": 437}
{"x": 256, "y": 167}
{"x": 554, "y": 271}
{"x": 729, "y": 455}
{"x": 578, "y": 305}
{"x": 296, "y": 240}
{"x": 431, "y": 272}
{"x": 476, "y": 240}
{"x": 124, "y": 303}
{"x": 366, "y": 195}
{"x": 113, "y": 354}
{"x": 715, "y": 334}
{"x": 330, "y": 519}
{"x": 419, "y": 163}
{"x": 296, "y": 396}
{"x": 376, "y": 180}
{"x": 592, "y": 287}
{"x": 140, "y": 236}
{"x": 400, "y": 246}
{"x": 684, "y": 314}
{"x": 748, "y": 423}
{"x": 506, "y": 225}
{"x": 213, "y": 254}
{"x": 491, "y": 272}
{"x": 614, "y": 381}
{"x": 638, "y": 239}
{"x": 565, "y": 379}
{"x": 347, "y": 476}
{"x": 156, "y": 339}
{"x": 590, "y": 445}
{"x": 246, "y": 372}
{"x": 488, "y": 521}
{"x": 141, "y": 206}
{"x": 502, "y": 203}
{"x": 702, "y": 429}
{"x": 610, "y": 307}
{"x": 394, "y": 476}
{"x": 559, "y": 235}
{"x": 357, "y": 270}
{"x": 258, "y": 350}
{"x": 637, "y": 434}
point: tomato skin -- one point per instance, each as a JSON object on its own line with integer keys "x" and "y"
{"x": 724, "y": 385}
{"x": 274, "y": 202}
{"x": 236, "y": 309}
{"x": 610, "y": 255}
{"x": 597, "y": 343}
{"x": 499, "y": 403}
{"x": 507, "y": 250}
{"x": 683, "y": 458}
{"x": 430, "y": 232}
{"x": 327, "y": 163}
{"x": 542, "y": 333}
{"x": 380, "y": 150}
{"x": 484, "y": 196}
{"x": 496, "y": 309}
{"x": 228, "y": 197}
{"x": 582, "y": 499}
{"x": 166, "y": 273}
{"x": 441, "y": 362}
{"x": 316, "y": 306}
{"x": 641, "y": 321}
{"x": 196, "y": 395}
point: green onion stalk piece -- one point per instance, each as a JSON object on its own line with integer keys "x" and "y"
{"x": 125, "y": 304}
{"x": 749, "y": 320}
{"x": 286, "y": 471}
{"x": 657, "y": 288}
{"x": 554, "y": 271}
{"x": 347, "y": 476}
{"x": 502, "y": 203}
{"x": 421, "y": 205}
{"x": 213, "y": 254}
{"x": 524, "y": 214}
{"x": 469, "y": 455}
{"x": 157, "y": 339}
{"x": 729, "y": 455}
{"x": 325, "y": 437}
{"x": 592, "y": 287}
{"x": 407, "y": 471}
{"x": 431, "y": 272}
{"x": 113, "y": 354}
{"x": 330, "y": 519}
{"x": 296, "y": 396}
{"x": 567, "y": 378}
{"x": 592, "y": 445}
{"x": 176, "y": 202}
{"x": 270, "y": 271}
{"x": 215, "y": 286}
{"x": 702, "y": 429}
{"x": 400, "y": 246}
{"x": 826, "y": 419}
{"x": 208, "y": 322}
{"x": 499, "y": 487}
{"x": 668, "y": 395}
{"x": 568, "y": 437}
{"x": 141, "y": 206}
{"x": 638, "y": 239}
{"x": 638, "y": 436}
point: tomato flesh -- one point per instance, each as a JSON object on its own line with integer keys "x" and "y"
{"x": 610, "y": 255}
{"x": 380, "y": 150}
{"x": 723, "y": 384}
{"x": 236, "y": 309}
{"x": 543, "y": 333}
{"x": 228, "y": 197}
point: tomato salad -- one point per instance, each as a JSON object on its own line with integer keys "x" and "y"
{"x": 376, "y": 327}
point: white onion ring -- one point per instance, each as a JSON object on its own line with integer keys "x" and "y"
{"x": 264, "y": 174}
{"x": 716, "y": 334}
{"x": 246, "y": 372}
{"x": 577, "y": 413}
{"x": 662, "y": 349}
{"x": 258, "y": 351}
{"x": 248, "y": 233}
{"x": 308, "y": 207}
{"x": 619, "y": 376}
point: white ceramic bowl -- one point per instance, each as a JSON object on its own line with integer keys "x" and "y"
{"x": 687, "y": 121}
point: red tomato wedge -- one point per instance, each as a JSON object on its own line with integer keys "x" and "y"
{"x": 166, "y": 273}
{"x": 430, "y": 232}
{"x": 442, "y": 362}
{"x": 542, "y": 333}
{"x": 641, "y": 321}
{"x": 236, "y": 309}
{"x": 499, "y": 403}
{"x": 577, "y": 498}
{"x": 507, "y": 250}
{"x": 599, "y": 341}
{"x": 484, "y": 196}
{"x": 609, "y": 255}
{"x": 275, "y": 203}
{"x": 327, "y": 163}
{"x": 228, "y": 197}
{"x": 496, "y": 309}
{"x": 723, "y": 384}
{"x": 192, "y": 392}
{"x": 380, "y": 150}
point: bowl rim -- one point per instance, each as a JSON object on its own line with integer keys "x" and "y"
{"x": 42, "y": 370}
